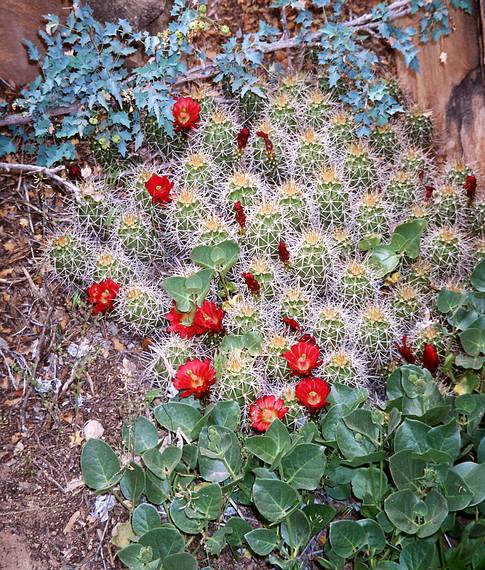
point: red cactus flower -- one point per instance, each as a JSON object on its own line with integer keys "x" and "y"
{"x": 74, "y": 172}
{"x": 470, "y": 186}
{"x": 195, "y": 377}
{"x": 185, "y": 113}
{"x": 183, "y": 323}
{"x": 283, "y": 252}
{"x": 251, "y": 283}
{"x": 421, "y": 175}
{"x": 312, "y": 393}
{"x": 405, "y": 350}
{"x": 240, "y": 214}
{"x": 209, "y": 317}
{"x": 159, "y": 188}
{"x": 430, "y": 358}
{"x": 242, "y": 139}
{"x": 265, "y": 411}
{"x": 428, "y": 193}
{"x": 102, "y": 295}
{"x": 267, "y": 143}
{"x": 302, "y": 358}
{"x": 292, "y": 324}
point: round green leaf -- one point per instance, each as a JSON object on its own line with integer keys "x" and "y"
{"x": 164, "y": 541}
{"x": 347, "y": 538}
{"x": 226, "y": 414}
{"x": 474, "y": 476}
{"x": 177, "y": 415}
{"x": 162, "y": 464}
{"x": 180, "y": 561}
{"x": 409, "y": 513}
{"x": 144, "y": 518}
{"x": 478, "y": 277}
{"x": 304, "y": 465}
{"x": 262, "y": 540}
{"x": 145, "y": 435}
{"x": 296, "y": 530}
{"x": 263, "y": 447}
{"x": 100, "y": 465}
{"x": 178, "y": 513}
{"x": 132, "y": 484}
{"x": 274, "y": 499}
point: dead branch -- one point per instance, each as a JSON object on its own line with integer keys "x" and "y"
{"x": 41, "y": 170}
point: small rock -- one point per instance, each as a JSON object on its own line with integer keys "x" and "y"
{"x": 93, "y": 428}
{"x": 79, "y": 350}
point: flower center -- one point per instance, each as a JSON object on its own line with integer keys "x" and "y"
{"x": 268, "y": 416}
{"x": 184, "y": 116}
{"x": 313, "y": 398}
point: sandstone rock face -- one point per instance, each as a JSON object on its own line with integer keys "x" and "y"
{"x": 451, "y": 84}
{"x": 21, "y": 20}
{"x": 142, "y": 14}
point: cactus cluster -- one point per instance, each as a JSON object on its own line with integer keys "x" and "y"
{"x": 305, "y": 182}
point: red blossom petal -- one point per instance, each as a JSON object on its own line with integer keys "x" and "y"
{"x": 302, "y": 358}
{"x": 240, "y": 214}
{"x": 102, "y": 295}
{"x": 267, "y": 142}
{"x": 265, "y": 411}
{"x": 195, "y": 377}
{"x": 292, "y": 324}
{"x": 208, "y": 317}
{"x": 312, "y": 393}
{"x": 186, "y": 112}
{"x": 159, "y": 188}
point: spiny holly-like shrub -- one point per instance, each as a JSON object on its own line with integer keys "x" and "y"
{"x": 255, "y": 234}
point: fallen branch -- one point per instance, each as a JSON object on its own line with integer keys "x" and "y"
{"x": 41, "y": 170}
{"x": 25, "y": 118}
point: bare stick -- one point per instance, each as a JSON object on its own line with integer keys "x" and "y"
{"x": 33, "y": 169}
{"x": 25, "y": 119}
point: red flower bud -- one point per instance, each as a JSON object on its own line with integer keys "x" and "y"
{"x": 421, "y": 175}
{"x": 251, "y": 283}
{"x": 428, "y": 193}
{"x": 240, "y": 214}
{"x": 308, "y": 338}
{"x": 470, "y": 186}
{"x": 292, "y": 324}
{"x": 405, "y": 351}
{"x": 242, "y": 139}
{"x": 74, "y": 172}
{"x": 267, "y": 142}
{"x": 283, "y": 252}
{"x": 430, "y": 358}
